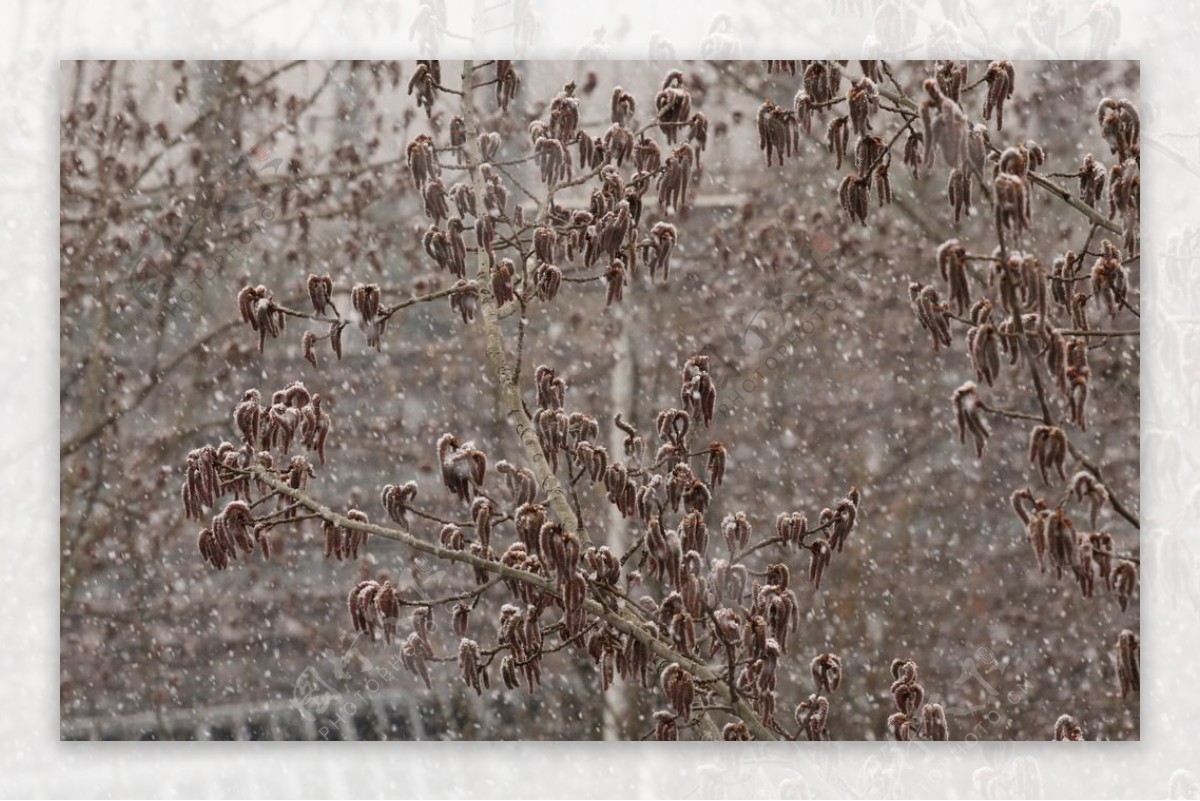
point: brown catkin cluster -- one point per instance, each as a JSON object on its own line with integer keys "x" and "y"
{"x": 261, "y": 313}
{"x": 374, "y": 606}
{"x": 1068, "y": 729}
{"x": 1048, "y": 451}
{"x": 915, "y": 719}
{"x": 397, "y": 499}
{"x": 698, "y": 391}
{"x": 673, "y": 105}
{"x": 464, "y": 466}
{"x": 1087, "y": 557}
{"x": 931, "y": 312}
{"x": 778, "y": 132}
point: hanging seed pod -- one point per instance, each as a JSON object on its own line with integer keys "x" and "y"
{"x": 843, "y": 520}
{"x": 1125, "y": 579}
{"x": 1085, "y": 486}
{"x": 818, "y": 82}
{"x": 460, "y": 617}
{"x": 1012, "y": 203}
{"x": 564, "y": 114}
{"x": 422, "y": 160}
{"x": 1048, "y": 451}
{"x": 657, "y": 249}
{"x": 908, "y": 694}
{"x": 425, "y": 82}
{"x": 914, "y": 152}
{"x": 665, "y": 729}
{"x": 838, "y": 138}
{"x": 548, "y": 279}
{"x": 778, "y": 132}
{"x": 210, "y": 551}
{"x": 1036, "y": 531}
{"x": 465, "y": 300}
{"x": 463, "y": 466}
{"x": 434, "y": 196}
{"x": 984, "y": 348}
{"x": 355, "y": 538}
{"x": 958, "y": 190}
{"x": 397, "y": 499}
{"x": 863, "y": 101}
{"x": 944, "y": 126}
{"x": 673, "y": 106}
{"x": 1110, "y": 279}
{"x": 1062, "y": 543}
{"x": 360, "y": 603}
{"x": 827, "y": 672}
{"x": 679, "y": 688}
{"x": 698, "y": 392}
{"x": 811, "y": 716}
{"x": 1120, "y": 124}
{"x": 675, "y": 179}
{"x": 736, "y": 530}
{"x": 952, "y": 263}
{"x": 522, "y": 485}
{"x": 259, "y": 310}
{"x": 820, "y": 554}
{"x": 507, "y": 83}
{"x": 614, "y": 278}
{"x": 320, "y": 289}
{"x": 899, "y": 728}
{"x": 553, "y": 160}
{"x": 1092, "y": 178}
{"x": 935, "y": 727}
{"x": 623, "y": 107}
{"x": 1129, "y": 669}
{"x": 854, "y": 195}
{"x": 698, "y": 133}
{"x": 508, "y": 672}
{"x": 951, "y": 76}
{"x": 999, "y": 78}
{"x": 931, "y": 312}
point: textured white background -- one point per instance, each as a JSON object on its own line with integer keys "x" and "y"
{"x": 35, "y": 34}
